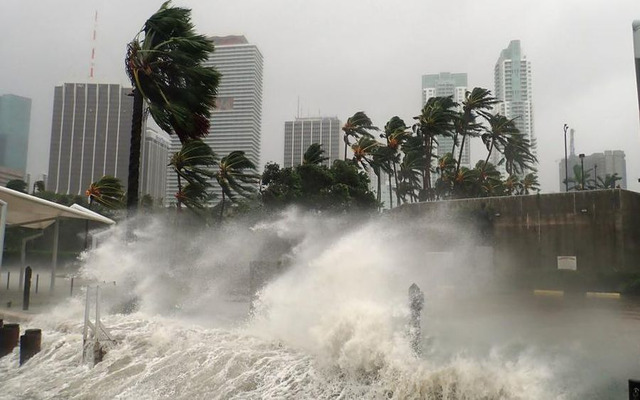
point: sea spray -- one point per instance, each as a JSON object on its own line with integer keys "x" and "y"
{"x": 331, "y": 325}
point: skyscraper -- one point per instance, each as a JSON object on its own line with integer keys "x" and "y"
{"x": 90, "y": 135}
{"x": 596, "y": 168}
{"x": 512, "y": 77}
{"x": 236, "y": 120}
{"x": 636, "y": 51}
{"x": 15, "y": 117}
{"x": 442, "y": 85}
{"x": 302, "y": 132}
{"x": 153, "y": 166}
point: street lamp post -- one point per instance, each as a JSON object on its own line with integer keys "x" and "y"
{"x": 566, "y": 165}
{"x": 581, "y": 155}
{"x": 595, "y": 175}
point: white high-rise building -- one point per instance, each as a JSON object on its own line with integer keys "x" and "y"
{"x": 442, "y": 85}
{"x": 303, "y": 132}
{"x": 512, "y": 78}
{"x": 236, "y": 120}
{"x": 153, "y": 168}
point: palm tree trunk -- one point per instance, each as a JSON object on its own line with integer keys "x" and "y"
{"x": 134, "y": 154}
{"x": 222, "y": 206}
{"x": 346, "y": 144}
{"x": 467, "y": 117}
{"x": 391, "y": 194}
{"x": 179, "y": 204}
{"x": 395, "y": 179}
{"x": 379, "y": 194}
{"x": 484, "y": 166}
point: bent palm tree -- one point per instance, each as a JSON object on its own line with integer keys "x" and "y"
{"x": 106, "y": 191}
{"x": 193, "y": 163}
{"x": 497, "y": 135}
{"x": 236, "y": 173}
{"x": 314, "y": 155}
{"x": 165, "y": 65}
{"x": 478, "y": 99}
{"x": 435, "y": 120}
{"x": 357, "y": 125}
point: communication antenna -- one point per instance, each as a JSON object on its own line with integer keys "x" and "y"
{"x": 571, "y": 143}
{"x": 298, "y": 109}
{"x": 93, "y": 45}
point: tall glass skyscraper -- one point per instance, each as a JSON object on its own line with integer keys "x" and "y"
{"x": 442, "y": 85}
{"x": 237, "y": 118}
{"x": 15, "y": 117}
{"x": 512, "y": 77}
{"x": 90, "y": 135}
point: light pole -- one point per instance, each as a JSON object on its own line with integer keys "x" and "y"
{"x": 581, "y": 155}
{"x": 566, "y": 165}
{"x": 595, "y": 175}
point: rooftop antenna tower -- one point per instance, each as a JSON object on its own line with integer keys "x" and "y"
{"x": 572, "y": 147}
{"x": 93, "y": 45}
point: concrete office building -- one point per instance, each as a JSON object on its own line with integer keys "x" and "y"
{"x": 302, "y": 132}
{"x": 236, "y": 120}
{"x": 153, "y": 166}
{"x": 442, "y": 85}
{"x": 512, "y": 78}
{"x": 15, "y": 117}
{"x": 90, "y": 135}
{"x": 596, "y": 168}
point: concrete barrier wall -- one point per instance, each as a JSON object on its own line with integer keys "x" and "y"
{"x": 600, "y": 227}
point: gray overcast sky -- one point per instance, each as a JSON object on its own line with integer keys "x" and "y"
{"x": 342, "y": 56}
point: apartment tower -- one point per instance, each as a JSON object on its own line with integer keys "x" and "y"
{"x": 447, "y": 84}
{"x": 512, "y": 77}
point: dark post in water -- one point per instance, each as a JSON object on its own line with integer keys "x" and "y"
{"x": 416, "y": 302}
{"x": 30, "y": 344}
{"x": 9, "y": 335}
{"x": 27, "y": 288}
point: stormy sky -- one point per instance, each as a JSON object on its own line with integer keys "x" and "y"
{"x": 342, "y": 56}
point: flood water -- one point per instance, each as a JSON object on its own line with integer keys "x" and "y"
{"x": 333, "y": 325}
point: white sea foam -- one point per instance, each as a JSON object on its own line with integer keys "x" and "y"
{"x": 331, "y": 325}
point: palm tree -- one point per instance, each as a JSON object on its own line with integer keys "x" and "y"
{"x": 236, "y": 173}
{"x": 357, "y": 125}
{"x": 497, "y": 134}
{"x": 530, "y": 183}
{"x": 194, "y": 163}
{"x": 165, "y": 65}
{"x": 479, "y": 99}
{"x": 436, "y": 120}
{"x": 106, "y": 191}
{"x": 609, "y": 181}
{"x": 314, "y": 155}
{"x": 363, "y": 151}
{"x": 517, "y": 155}
{"x": 395, "y": 133}
{"x": 410, "y": 175}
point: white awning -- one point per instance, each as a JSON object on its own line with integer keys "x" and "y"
{"x": 33, "y": 212}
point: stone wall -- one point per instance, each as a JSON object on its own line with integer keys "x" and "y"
{"x": 600, "y": 227}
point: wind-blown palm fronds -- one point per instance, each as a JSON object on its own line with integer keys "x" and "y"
{"x": 314, "y": 155}
{"x": 356, "y": 126}
{"x": 106, "y": 191}
{"x": 165, "y": 65}
{"x": 236, "y": 175}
